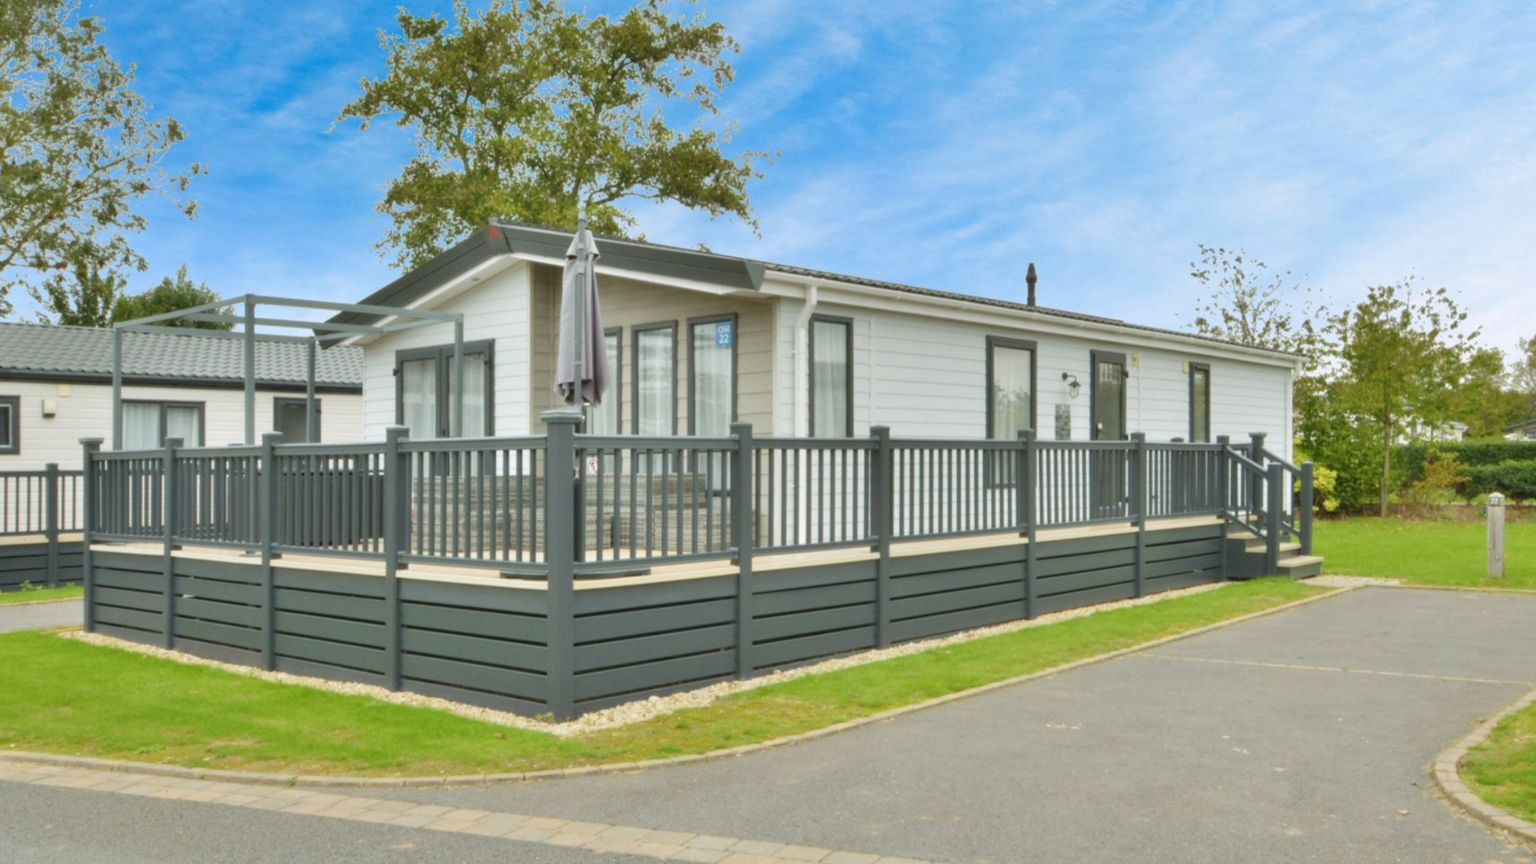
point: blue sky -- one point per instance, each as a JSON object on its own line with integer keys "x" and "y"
{"x": 945, "y": 144}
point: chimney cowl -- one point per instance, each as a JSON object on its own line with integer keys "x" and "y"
{"x": 1030, "y": 279}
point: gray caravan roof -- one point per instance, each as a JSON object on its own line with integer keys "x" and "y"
{"x": 501, "y": 238}
{"x": 45, "y": 351}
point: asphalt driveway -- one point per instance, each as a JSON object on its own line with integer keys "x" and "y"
{"x": 1301, "y": 736}
{"x": 40, "y": 616}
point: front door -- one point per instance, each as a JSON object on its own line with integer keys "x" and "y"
{"x": 1109, "y": 467}
{"x": 712, "y": 391}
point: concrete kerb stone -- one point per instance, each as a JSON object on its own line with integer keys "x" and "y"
{"x": 646, "y": 765}
{"x": 1446, "y": 771}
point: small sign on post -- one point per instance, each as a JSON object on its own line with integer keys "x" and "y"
{"x": 1495, "y": 536}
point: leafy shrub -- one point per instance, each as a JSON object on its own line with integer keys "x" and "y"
{"x": 1409, "y": 459}
{"x": 1441, "y": 476}
{"x": 1516, "y": 479}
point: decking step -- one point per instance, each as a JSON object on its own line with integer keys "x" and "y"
{"x": 1301, "y": 566}
{"x": 1258, "y": 548}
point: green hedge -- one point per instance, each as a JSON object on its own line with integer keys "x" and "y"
{"x": 1408, "y": 459}
{"x": 1515, "y": 479}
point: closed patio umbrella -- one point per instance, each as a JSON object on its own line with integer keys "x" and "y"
{"x": 581, "y": 367}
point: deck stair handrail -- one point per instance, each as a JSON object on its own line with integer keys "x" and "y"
{"x": 1260, "y": 497}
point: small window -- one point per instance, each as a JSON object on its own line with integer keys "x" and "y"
{"x": 1010, "y": 387}
{"x": 831, "y": 377}
{"x": 146, "y": 425}
{"x": 10, "y": 424}
{"x": 1199, "y": 403}
{"x": 290, "y": 416}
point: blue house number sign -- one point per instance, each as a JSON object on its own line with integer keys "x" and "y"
{"x": 725, "y": 334}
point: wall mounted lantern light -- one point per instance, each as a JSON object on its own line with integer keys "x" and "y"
{"x": 1073, "y": 388}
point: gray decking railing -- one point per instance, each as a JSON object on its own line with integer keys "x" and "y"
{"x": 633, "y": 502}
{"x": 44, "y": 505}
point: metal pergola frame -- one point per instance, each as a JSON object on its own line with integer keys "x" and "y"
{"x": 322, "y": 334}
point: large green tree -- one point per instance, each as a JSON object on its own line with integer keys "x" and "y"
{"x": 1400, "y": 356}
{"x": 84, "y": 294}
{"x": 80, "y": 149}
{"x": 169, "y": 295}
{"x": 529, "y": 112}
{"x": 1250, "y": 304}
{"x": 1522, "y": 369}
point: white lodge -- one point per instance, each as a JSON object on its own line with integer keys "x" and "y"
{"x": 699, "y": 340}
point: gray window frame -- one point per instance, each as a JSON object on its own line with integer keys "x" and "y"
{"x": 634, "y": 375}
{"x": 810, "y": 372}
{"x": 1094, "y": 358}
{"x": 1033, "y": 348}
{"x": 1193, "y": 368}
{"x": 277, "y": 409}
{"x": 13, "y": 403}
{"x": 202, "y": 416}
{"x": 444, "y": 356}
{"x": 735, "y": 349}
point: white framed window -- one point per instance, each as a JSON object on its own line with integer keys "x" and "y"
{"x": 831, "y": 363}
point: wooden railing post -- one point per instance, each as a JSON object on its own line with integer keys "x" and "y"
{"x": 1229, "y": 485}
{"x": 169, "y": 489}
{"x": 1256, "y": 498}
{"x": 396, "y": 540}
{"x": 1139, "y": 506}
{"x": 51, "y": 519}
{"x": 1272, "y": 530}
{"x": 743, "y": 535}
{"x": 1026, "y": 482}
{"x": 88, "y": 469}
{"x": 560, "y": 563}
{"x": 1304, "y": 518}
{"x": 882, "y": 511}
{"x": 269, "y": 506}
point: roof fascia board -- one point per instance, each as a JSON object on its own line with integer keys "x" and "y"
{"x": 691, "y": 267}
{"x": 638, "y": 275}
{"x": 987, "y": 314}
{"x": 393, "y": 323}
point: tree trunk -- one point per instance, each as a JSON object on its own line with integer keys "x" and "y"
{"x": 1386, "y": 465}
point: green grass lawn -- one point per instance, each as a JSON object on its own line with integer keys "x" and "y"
{"x": 1426, "y": 552}
{"x": 1502, "y": 771}
{"x": 38, "y": 595}
{"x": 64, "y": 696}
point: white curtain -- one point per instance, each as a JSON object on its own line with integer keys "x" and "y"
{"x": 829, "y": 379}
{"x": 1011, "y": 385}
{"x": 474, "y": 394}
{"x": 184, "y": 422}
{"x": 418, "y": 397}
{"x": 657, "y": 388}
{"x": 603, "y": 418}
{"x": 711, "y": 383}
{"x": 141, "y": 425}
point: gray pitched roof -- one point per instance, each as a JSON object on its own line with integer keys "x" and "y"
{"x": 85, "y": 353}
{"x": 501, "y": 238}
